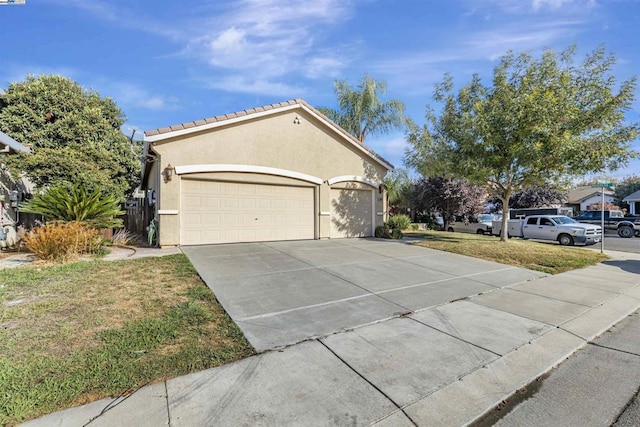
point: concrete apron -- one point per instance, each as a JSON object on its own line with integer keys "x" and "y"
{"x": 282, "y": 293}
{"x": 445, "y": 365}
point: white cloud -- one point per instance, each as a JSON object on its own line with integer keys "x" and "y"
{"x": 265, "y": 40}
{"x": 131, "y": 95}
{"x": 261, "y": 41}
{"x": 241, "y": 84}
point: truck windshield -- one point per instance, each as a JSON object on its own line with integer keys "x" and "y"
{"x": 563, "y": 220}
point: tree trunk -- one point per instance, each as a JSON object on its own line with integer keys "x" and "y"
{"x": 504, "y": 233}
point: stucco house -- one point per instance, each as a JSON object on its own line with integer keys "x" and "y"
{"x": 633, "y": 200}
{"x": 278, "y": 172}
{"x": 581, "y": 198}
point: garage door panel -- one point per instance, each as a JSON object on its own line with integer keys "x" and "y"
{"x": 351, "y": 213}
{"x": 225, "y": 212}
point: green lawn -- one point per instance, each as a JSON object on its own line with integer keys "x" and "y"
{"x": 75, "y": 333}
{"x": 546, "y": 257}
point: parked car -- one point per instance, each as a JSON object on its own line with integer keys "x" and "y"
{"x": 560, "y": 228}
{"x": 480, "y": 224}
{"x": 626, "y": 226}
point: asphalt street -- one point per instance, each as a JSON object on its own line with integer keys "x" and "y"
{"x": 613, "y": 242}
{"x": 597, "y": 386}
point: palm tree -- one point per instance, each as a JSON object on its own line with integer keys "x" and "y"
{"x": 361, "y": 111}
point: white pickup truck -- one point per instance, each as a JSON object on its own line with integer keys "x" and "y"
{"x": 559, "y": 228}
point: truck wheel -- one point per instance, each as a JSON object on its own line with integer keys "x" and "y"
{"x": 626, "y": 231}
{"x": 565, "y": 240}
{"x": 479, "y": 231}
{"x": 450, "y": 229}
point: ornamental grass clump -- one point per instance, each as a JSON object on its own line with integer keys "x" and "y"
{"x": 61, "y": 242}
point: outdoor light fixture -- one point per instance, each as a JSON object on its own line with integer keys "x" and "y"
{"x": 168, "y": 171}
{"x": 380, "y": 188}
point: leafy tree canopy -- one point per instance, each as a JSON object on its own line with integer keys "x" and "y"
{"x": 542, "y": 120}
{"x": 533, "y": 197}
{"x": 450, "y": 197}
{"x": 74, "y": 135}
{"x": 362, "y": 112}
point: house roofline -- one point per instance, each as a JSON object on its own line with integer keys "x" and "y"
{"x": 161, "y": 134}
{"x": 12, "y": 144}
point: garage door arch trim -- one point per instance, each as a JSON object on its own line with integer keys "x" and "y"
{"x": 189, "y": 169}
{"x": 352, "y": 178}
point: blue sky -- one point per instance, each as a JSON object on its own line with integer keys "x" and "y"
{"x": 168, "y": 62}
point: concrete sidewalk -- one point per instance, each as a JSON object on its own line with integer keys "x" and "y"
{"x": 445, "y": 365}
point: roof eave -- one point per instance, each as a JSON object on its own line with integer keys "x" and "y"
{"x": 298, "y": 105}
{"x": 12, "y": 144}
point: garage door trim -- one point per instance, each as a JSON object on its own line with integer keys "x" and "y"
{"x": 188, "y": 169}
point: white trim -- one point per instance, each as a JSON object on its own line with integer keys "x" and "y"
{"x": 213, "y": 125}
{"x": 325, "y": 213}
{"x": 168, "y": 212}
{"x": 349, "y": 178}
{"x": 380, "y": 213}
{"x": 250, "y": 116}
{"x": 181, "y": 170}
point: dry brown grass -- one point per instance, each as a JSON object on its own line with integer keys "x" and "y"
{"x": 97, "y": 328}
{"x": 545, "y": 257}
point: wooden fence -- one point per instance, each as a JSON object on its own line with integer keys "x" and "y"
{"x": 135, "y": 220}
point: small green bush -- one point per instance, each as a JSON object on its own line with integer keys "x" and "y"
{"x": 382, "y": 232}
{"x": 396, "y": 234}
{"x": 415, "y": 227}
{"x": 399, "y": 222}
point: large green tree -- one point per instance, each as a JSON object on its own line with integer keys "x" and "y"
{"x": 74, "y": 135}
{"x": 361, "y": 110}
{"x": 540, "y": 121}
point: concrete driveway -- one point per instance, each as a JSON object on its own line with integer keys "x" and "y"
{"x": 281, "y": 293}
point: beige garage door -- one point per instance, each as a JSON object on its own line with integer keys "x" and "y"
{"x": 227, "y": 212}
{"x": 351, "y": 213}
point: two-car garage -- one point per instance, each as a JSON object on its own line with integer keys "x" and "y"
{"x": 278, "y": 172}
{"x": 227, "y": 212}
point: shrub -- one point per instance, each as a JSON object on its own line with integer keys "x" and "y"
{"x": 396, "y": 234}
{"x": 58, "y": 241}
{"x": 75, "y": 203}
{"x": 415, "y": 227}
{"x": 382, "y": 232}
{"x": 399, "y": 222}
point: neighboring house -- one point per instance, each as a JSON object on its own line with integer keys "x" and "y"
{"x": 279, "y": 172}
{"x": 633, "y": 200}
{"x": 582, "y": 197}
{"x": 10, "y": 190}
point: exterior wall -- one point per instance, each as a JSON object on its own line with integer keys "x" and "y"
{"x": 273, "y": 141}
